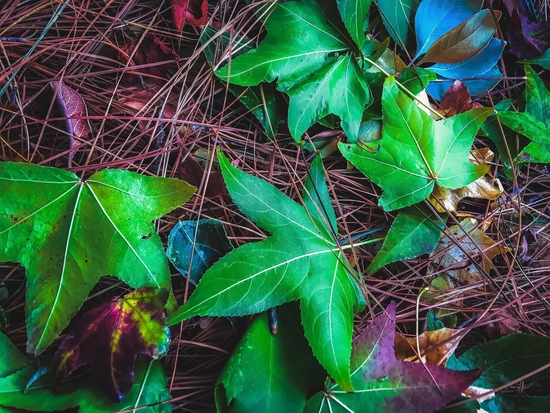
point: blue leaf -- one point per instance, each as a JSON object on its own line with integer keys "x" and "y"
{"x": 434, "y": 18}
{"x": 473, "y": 67}
{"x": 478, "y": 86}
{"x": 194, "y": 246}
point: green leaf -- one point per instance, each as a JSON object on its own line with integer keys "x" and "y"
{"x": 312, "y": 63}
{"x": 123, "y": 328}
{"x": 260, "y": 100}
{"x": 506, "y": 403}
{"x": 12, "y": 360}
{"x": 534, "y": 123}
{"x": 354, "y": 14}
{"x": 149, "y": 389}
{"x": 270, "y": 372}
{"x": 465, "y": 40}
{"x": 384, "y": 384}
{"x": 505, "y": 359}
{"x": 298, "y": 261}
{"x": 398, "y": 17}
{"x": 417, "y": 152}
{"x": 67, "y": 233}
{"x": 504, "y": 144}
{"x": 415, "y": 231}
{"x": 194, "y": 246}
{"x": 543, "y": 59}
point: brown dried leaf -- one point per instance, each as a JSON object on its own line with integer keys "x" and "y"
{"x": 431, "y": 347}
{"x": 464, "y": 271}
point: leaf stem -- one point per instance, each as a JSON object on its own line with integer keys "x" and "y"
{"x": 360, "y": 244}
{"x": 404, "y": 89}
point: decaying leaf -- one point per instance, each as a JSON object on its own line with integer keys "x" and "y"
{"x": 150, "y": 50}
{"x": 189, "y": 12}
{"x": 73, "y": 107}
{"x": 456, "y": 261}
{"x": 383, "y": 383}
{"x": 457, "y": 100}
{"x": 435, "y": 346}
{"x": 446, "y": 200}
{"x": 110, "y": 336}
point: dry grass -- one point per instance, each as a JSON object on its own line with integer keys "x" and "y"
{"x": 186, "y": 110}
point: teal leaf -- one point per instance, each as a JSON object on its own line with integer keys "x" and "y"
{"x": 194, "y": 246}
{"x": 299, "y": 261}
{"x": 434, "y": 18}
{"x": 270, "y": 372}
{"x": 543, "y": 59}
{"x": 508, "y": 403}
{"x": 415, "y": 231}
{"x": 398, "y": 17}
{"x": 505, "y": 359}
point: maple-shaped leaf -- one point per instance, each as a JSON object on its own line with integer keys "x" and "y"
{"x": 151, "y": 49}
{"x": 110, "y": 336}
{"x": 299, "y": 261}
{"x": 534, "y": 123}
{"x": 384, "y": 384}
{"x": 67, "y": 233}
{"x": 189, "y": 12}
{"x": 417, "y": 152}
{"x": 312, "y": 62}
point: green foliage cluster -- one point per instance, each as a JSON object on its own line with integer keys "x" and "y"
{"x": 67, "y": 233}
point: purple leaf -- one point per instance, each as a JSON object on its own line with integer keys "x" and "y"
{"x": 384, "y": 384}
{"x": 73, "y": 107}
{"x": 111, "y": 335}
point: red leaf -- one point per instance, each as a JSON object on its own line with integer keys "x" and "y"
{"x": 457, "y": 100}
{"x": 73, "y": 107}
{"x": 150, "y": 50}
{"x": 185, "y": 11}
{"x": 192, "y": 172}
{"x": 110, "y": 336}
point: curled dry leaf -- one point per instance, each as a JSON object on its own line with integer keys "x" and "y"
{"x": 456, "y": 100}
{"x": 446, "y": 200}
{"x": 73, "y": 107}
{"x": 150, "y": 50}
{"x": 435, "y": 346}
{"x": 189, "y": 12}
{"x": 472, "y": 244}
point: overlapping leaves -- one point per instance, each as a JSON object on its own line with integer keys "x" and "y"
{"x": 313, "y": 63}
{"x": 417, "y": 153}
{"x": 299, "y": 261}
{"x": 384, "y": 384}
{"x": 534, "y": 122}
{"x": 110, "y": 336}
{"x": 67, "y": 233}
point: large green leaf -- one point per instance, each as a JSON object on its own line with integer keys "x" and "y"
{"x": 465, "y": 40}
{"x": 385, "y": 384}
{"x": 415, "y": 231}
{"x": 311, "y": 62}
{"x": 270, "y": 372}
{"x": 398, "y": 17}
{"x": 298, "y": 261}
{"x": 67, "y": 233}
{"x": 417, "y": 152}
{"x": 534, "y": 123}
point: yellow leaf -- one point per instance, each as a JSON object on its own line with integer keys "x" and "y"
{"x": 435, "y": 346}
